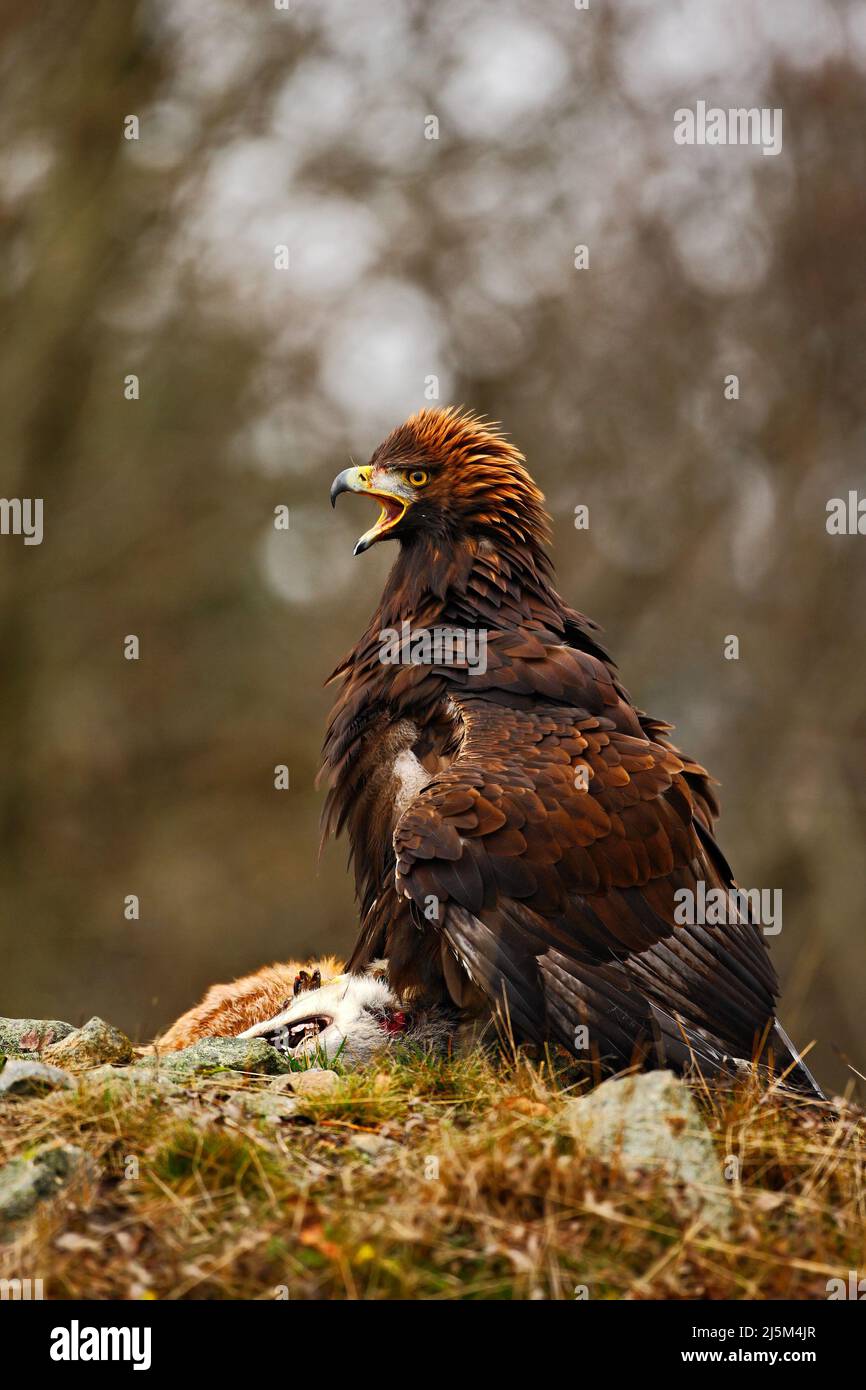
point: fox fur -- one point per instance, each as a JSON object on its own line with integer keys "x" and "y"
{"x": 227, "y": 1010}
{"x": 359, "y": 1014}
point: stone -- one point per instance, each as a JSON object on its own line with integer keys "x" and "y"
{"x": 123, "y": 1080}
{"x": 282, "y": 1083}
{"x": 219, "y": 1054}
{"x": 91, "y": 1046}
{"x": 650, "y": 1123}
{"x": 268, "y": 1105}
{"x": 315, "y": 1082}
{"x": 373, "y": 1145}
{"x": 27, "y": 1182}
{"x": 24, "y": 1078}
{"x": 24, "y": 1037}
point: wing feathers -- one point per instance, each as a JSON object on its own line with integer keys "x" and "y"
{"x": 555, "y": 844}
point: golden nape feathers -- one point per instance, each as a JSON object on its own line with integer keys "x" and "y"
{"x": 486, "y": 474}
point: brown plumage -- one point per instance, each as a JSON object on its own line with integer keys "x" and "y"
{"x": 518, "y": 833}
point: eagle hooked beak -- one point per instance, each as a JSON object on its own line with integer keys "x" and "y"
{"x": 394, "y": 501}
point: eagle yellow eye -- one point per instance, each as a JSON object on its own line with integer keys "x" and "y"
{"x": 417, "y": 477}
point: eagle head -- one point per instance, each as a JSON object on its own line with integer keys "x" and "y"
{"x": 448, "y": 475}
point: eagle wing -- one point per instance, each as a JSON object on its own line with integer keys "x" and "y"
{"x": 549, "y": 854}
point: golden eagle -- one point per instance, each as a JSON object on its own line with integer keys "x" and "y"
{"x": 521, "y": 833}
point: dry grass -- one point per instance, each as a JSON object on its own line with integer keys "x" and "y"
{"x": 425, "y": 1179}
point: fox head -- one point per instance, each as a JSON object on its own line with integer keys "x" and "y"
{"x": 353, "y": 1016}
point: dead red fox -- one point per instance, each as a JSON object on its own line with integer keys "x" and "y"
{"x": 312, "y": 1010}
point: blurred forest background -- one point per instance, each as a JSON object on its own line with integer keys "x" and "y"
{"x": 412, "y": 257}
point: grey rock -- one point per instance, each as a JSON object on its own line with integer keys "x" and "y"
{"x": 124, "y": 1080}
{"x": 315, "y": 1082}
{"x": 24, "y": 1078}
{"x": 650, "y": 1123}
{"x": 282, "y": 1083}
{"x": 373, "y": 1145}
{"x": 268, "y": 1105}
{"x": 26, "y": 1182}
{"x": 90, "y": 1046}
{"x": 26, "y": 1037}
{"x": 219, "y": 1054}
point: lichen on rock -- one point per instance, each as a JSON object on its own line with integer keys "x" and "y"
{"x": 26, "y": 1037}
{"x": 219, "y": 1054}
{"x": 26, "y": 1182}
{"x": 650, "y": 1123}
{"x": 21, "y": 1077}
{"x": 92, "y": 1045}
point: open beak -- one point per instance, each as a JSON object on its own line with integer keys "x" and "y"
{"x": 393, "y": 503}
